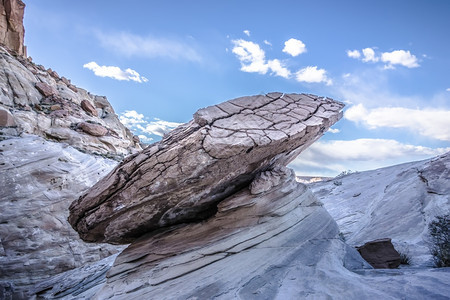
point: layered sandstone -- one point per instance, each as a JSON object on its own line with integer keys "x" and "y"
{"x": 183, "y": 177}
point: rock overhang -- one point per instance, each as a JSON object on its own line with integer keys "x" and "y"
{"x": 183, "y": 177}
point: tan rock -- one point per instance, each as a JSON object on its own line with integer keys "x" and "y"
{"x": 46, "y": 89}
{"x": 55, "y": 107}
{"x": 89, "y": 108}
{"x": 93, "y": 129}
{"x": 184, "y": 176}
{"x": 12, "y": 31}
{"x": 6, "y": 119}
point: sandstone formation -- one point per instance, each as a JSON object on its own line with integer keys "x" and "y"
{"x": 396, "y": 202}
{"x": 277, "y": 244}
{"x": 380, "y": 254}
{"x": 183, "y": 177}
{"x": 12, "y": 31}
{"x": 44, "y": 104}
{"x": 38, "y": 180}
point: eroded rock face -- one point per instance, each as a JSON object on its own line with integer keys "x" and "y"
{"x": 12, "y": 31}
{"x": 38, "y": 181}
{"x": 44, "y": 104}
{"x": 183, "y": 177}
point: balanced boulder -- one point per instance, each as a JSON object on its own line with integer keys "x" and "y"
{"x": 183, "y": 177}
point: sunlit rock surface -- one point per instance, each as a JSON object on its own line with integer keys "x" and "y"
{"x": 183, "y": 177}
{"x": 396, "y": 202}
{"x": 38, "y": 181}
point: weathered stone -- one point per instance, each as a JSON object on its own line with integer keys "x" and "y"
{"x": 55, "y": 107}
{"x": 12, "y": 31}
{"x": 89, "y": 108}
{"x": 73, "y": 88}
{"x": 184, "y": 176}
{"x": 380, "y": 254}
{"x": 45, "y": 89}
{"x": 6, "y": 119}
{"x": 93, "y": 129}
{"x": 39, "y": 179}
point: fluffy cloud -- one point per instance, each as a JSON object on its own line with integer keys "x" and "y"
{"x": 115, "y": 72}
{"x": 334, "y": 130}
{"x": 396, "y": 57}
{"x": 246, "y": 32}
{"x": 312, "y": 74}
{"x": 369, "y": 55}
{"x": 353, "y": 53}
{"x": 294, "y": 47}
{"x": 431, "y": 123}
{"x": 253, "y": 59}
{"x": 267, "y": 43}
{"x": 400, "y": 57}
{"x": 129, "y": 44}
{"x": 329, "y": 158}
{"x": 159, "y": 127}
{"x": 140, "y": 126}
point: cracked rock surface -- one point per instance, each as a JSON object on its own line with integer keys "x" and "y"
{"x": 183, "y": 177}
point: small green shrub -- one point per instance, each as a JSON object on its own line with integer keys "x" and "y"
{"x": 439, "y": 231}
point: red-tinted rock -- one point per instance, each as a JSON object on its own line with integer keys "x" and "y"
{"x": 12, "y": 31}
{"x": 93, "y": 129}
{"x": 45, "y": 89}
{"x": 89, "y": 108}
{"x": 6, "y": 119}
{"x": 380, "y": 254}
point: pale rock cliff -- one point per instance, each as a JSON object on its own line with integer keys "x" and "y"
{"x": 396, "y": 202}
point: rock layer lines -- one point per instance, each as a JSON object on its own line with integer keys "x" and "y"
{"x": 183, "y": 177}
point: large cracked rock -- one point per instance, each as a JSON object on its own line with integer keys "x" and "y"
{"x": 12, "y": 31}
{"x": 183, "y": 177}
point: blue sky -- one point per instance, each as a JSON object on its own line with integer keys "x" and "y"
{"x": 160, "y": 61}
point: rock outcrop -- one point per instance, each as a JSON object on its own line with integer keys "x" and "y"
{"x": 44, "y": 104}
{"x": 396, "y": 202}
{"x": 183, "y": 177}
{"x": 380, "y": 254}
{"x": 12, "y": 31}
{"x": 38, "y": 181}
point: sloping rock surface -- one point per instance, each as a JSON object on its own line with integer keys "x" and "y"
{"x": 396, "y": 202}
{"x": 12, "y": 31}
{"x": 38, "y": 181}
{"x": 44, "y": 104}
{"x": 183, "y": 177}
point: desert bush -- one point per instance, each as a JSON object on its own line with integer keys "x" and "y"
{"x": 405, "y": 258}
{"x": 439, "y": 231}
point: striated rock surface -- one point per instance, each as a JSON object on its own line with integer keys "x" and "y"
{"x": 12, "y": 31}
{"x": 38, "y": 181}
{"x": 183, "y": 177}
{"x": 396, "y": 202}
{"x": 44, "y": 104}
{"x": 380, "y": 254}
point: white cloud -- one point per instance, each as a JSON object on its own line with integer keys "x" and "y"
{"x": 396, "y": 57}
{"x": 353, "y": 53}
{"x": 115, "y": 72}
{"x": 138, "y": 123}
{"x": 278, "y": 69}
{"x": 334, "y": 130}
{"x": 246, "y": 32}
{"x": 251, "y": 56}
{"x": 145, "y": 139}
{"x": 312, "y": 74}
{"x": 253, "y": 59}
{"x": 400, "y": 57}
{"x": 329, "y": 158}
{"x": 129, "y": 44}
{"x": 294, "y": 47}
{"x": 432, "y": 123}
{"x": 369, "y": 55}
{"x": 160, "y": 127}
{"x": 448, "y": 89}
{"x": 267, "y": 43}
